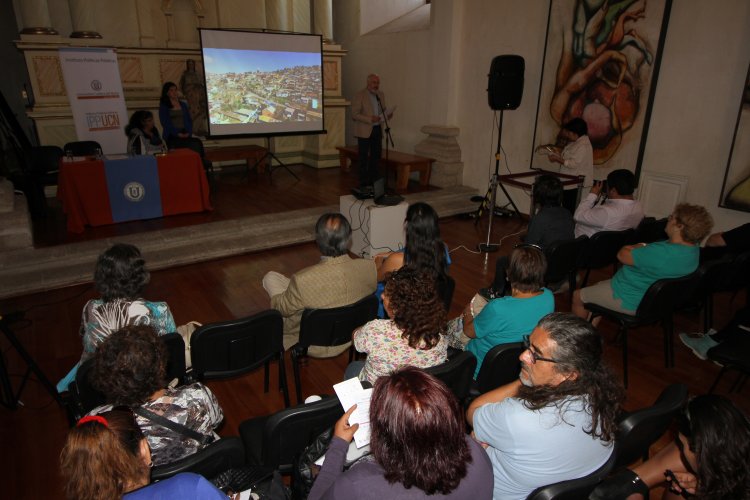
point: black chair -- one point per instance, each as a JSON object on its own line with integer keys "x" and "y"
{"x": 275, "y": 440}
{"x": 45, "y": 164}
{"x": 601, "y": 251}
{"x": 176, "y": 352}
{"x": 638, "y": 430}
{"x": 209, "y": 462}
{"x": 232, "y": 348}
{"x": 728, "y": 274}
{"x": 562, "y": 260}
{"x": 457, "y": 373}
{"x": 330, "y": 327}
{"x": 445, "y": 291}
{"x": 574, "y": 489}
{"x": 650, "y": 230}
{"x": 501, "y": 365}
{"x": 83, "y": 397}
{"x": 657, "y": 305}
{"x": 732, "y": 354}
{"x": 82, "y": 148}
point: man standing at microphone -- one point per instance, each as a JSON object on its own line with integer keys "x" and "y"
{"x": 368, "y": 108}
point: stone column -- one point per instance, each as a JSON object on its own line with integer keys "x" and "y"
{"x": 277, "y": 15}
{"x": 323, "y": 19}
{"x": 35, "y": 18}
{"x": 442, "y": 145}
{"x": 82, "y": 17}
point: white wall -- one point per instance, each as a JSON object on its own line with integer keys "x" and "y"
{"x": 440, "y": 76}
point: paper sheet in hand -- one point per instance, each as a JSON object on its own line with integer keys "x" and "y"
{"x": 350, "y": 392}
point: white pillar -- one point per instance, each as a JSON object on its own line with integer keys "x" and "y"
{"x": 323, "y": 19}
{"x": 277, "y": 15}
{"x": 35, "y": 18}
{"x": 82, "y": 17}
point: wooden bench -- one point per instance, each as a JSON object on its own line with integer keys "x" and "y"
{"x": 402, "y": 163}
{"x": 251, "y": 153}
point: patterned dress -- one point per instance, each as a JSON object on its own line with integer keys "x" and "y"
{"x": 388, "y": 351}
{"x": 193, "y": 406}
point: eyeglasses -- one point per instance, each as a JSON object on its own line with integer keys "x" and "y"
{"x": 534, "y": 356}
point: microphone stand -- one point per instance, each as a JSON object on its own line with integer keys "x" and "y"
{"x": 388, "y": 138}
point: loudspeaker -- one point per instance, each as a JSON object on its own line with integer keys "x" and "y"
{"x": 505, "y": 86}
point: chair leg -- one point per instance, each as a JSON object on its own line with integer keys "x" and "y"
{"x": 297, "y": 381}
{"x": 283, "y": 384}
{"x": 624, "y": 335}
{"x": 667, "y": 329}
{"x": 266, "y": 372}
{"x": 738, "y": 382}
{"x": 718, "y": 378}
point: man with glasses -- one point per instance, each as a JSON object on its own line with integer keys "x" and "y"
{"x": 558, "y": 420}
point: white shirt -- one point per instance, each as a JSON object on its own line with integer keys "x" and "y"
{"x": 613, "y": 215}
{"x": 578, "y": 157}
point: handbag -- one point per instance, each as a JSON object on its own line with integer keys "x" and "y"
{"x": 264, "y": 482}
{"x": 304, "y": 470}
{"x": 186, "y": 331}
{"x": 203, "y": 439}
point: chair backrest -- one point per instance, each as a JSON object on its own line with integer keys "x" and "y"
{"x": 665, "y": 295}
{"x": 562, "y": 258}
{"x": 82, "y": 148}
{"x": 575, "y": 489}
{"x": 209, "y": 462}
{"x": 87, "y": 397}
{"x": 289, "y": 431}
{"x": 231, "y": 348}
{"x": 733, "y": 275}
{"x": 641, "y": 428}
{"x": 446, "y": 288}
{"x": 500, "y": 366}
{"x": 651, "y": 230}
{"x": 457, "y": 373}
{"x": 334, "y": 326}
{"x": 45, "y": 159}
{"x": 601, "y": 249}
{"x": 176, "y": 352}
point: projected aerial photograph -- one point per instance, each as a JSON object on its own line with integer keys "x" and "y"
{"x": 253, "y": 86}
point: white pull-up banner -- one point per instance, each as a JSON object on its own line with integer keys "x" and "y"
{"x": 92, "y": 81}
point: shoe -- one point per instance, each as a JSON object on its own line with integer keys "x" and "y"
{"x": 699, "y": 345}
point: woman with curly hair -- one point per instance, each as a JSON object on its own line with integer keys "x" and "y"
{"x": 120, "y": 278}
{"x": 708, "y": 458}
{"x": 419, "y": 445}
{"x": 424, "y": 251}
{"x": 130, "y": 369}
{"x": 414, "y": 334}
{"x": 107, "y": 457}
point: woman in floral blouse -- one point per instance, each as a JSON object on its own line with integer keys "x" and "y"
{"x": 413, "y": 336}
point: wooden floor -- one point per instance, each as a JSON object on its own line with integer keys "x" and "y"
{"x": 32, "y": 436}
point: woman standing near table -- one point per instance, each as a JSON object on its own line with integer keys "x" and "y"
{"x": 174, "y": 115}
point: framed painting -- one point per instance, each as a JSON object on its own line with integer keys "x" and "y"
{"x": 735, "y": 192}
{"x": 601, "y": 61}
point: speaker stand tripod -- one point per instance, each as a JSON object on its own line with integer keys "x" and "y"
{"x": 489, "y": 199}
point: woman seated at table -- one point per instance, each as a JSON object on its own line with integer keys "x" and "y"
{"x": 644, "y": 264}
{"x": 130, "y": 369}
{"x": 419, "y": 445}
{"x": 174, "y": 115}
{"x": 107, "y": 457}
{"x": 120, "y": 277}
{"x": 483, "y": 325}
{"x": 424, "y": 251}
{"x": 143, "y": 136}
{"x": 414, "y": 334}
{"x": 708, "y": 458}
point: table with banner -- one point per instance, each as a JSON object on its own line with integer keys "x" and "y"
{"x": 100, "y": 192}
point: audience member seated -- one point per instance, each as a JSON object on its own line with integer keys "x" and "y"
{"x": 337, "y": 280}
{"x": 419, "y": 447}
{"x": 701, "y": 343}
{"x": 130, "y": 368}
{"x": 708, "y": 458}
{"x": 120, "y": 278}
{"x": 732, "y": 242}
{"x": 643, "y": 264}
{"x": 550, "y": 224}
{"x": 174, "y": 115}
{"x": 106, "y": 457}
{"x": 616, "y": 212}
{"x": 505, "y": 319}
{"x": 558, "y": 421}
{"x": 143, "y": 136}
{"x": 414, "y": 334}
{"x": 424, "y": 250}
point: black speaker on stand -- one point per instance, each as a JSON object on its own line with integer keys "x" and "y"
{"x": 504, "y": 91}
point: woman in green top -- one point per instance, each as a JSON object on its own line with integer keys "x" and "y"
{"x": 643, "y": 264}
